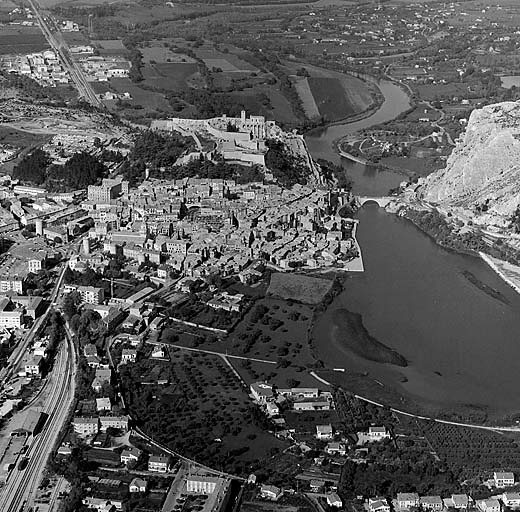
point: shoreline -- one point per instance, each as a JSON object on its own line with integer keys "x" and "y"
{"x": 492, "y": 262}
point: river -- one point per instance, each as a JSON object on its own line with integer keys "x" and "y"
{"x": 367, "y": 180}
{"x": 415, "y": 297}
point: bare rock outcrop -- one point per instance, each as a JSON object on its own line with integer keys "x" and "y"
{"x": 484, "y": 168}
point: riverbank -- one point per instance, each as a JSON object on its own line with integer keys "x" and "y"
{"x": 508, "y": 272}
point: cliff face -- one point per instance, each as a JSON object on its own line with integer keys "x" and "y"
{"x": 484, "y": 166}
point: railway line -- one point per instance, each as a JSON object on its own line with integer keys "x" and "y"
{"x": 55, "y": 39}
{"x": 19, "y": 492}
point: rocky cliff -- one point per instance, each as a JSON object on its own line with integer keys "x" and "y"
{"x": 484, "y": 168}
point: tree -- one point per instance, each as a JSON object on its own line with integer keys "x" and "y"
{"x": 71, "y": 301}
{"x": 33, "y": 167}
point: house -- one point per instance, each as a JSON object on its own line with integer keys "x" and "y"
{"x": 431, "y": 503}
{"x": 378, "y": 433}
{"x": 158, "y": 353}
{"x": 457, "y": 501}
{"x": 226, "y": 301}
{"x": 324, "y": 432}
{"x": 333, "y": 500}
{"x": 511, "y": 500}
{"x": 317, "y": 485}
{"x": 131, "y": 454}
{"x": 129, "y": 355}
{"x": 378, "y": 504}
{"x": 159, "y": 463}
{"x": 320, "y": 404}
{"x": 261, "y": 392}
{"x": 36, "y": 262}
{"x": 103, "y": 404}
{"x": 103, "y": 376}
{"x": 272, "y": 409}
{"x": 503, "y": 479}
{"x": 491, "y": 505}
{"x": 117, "y": 422}
{"x": 89, "y": 350}
{"x": 336, "y": 449}
{"x": 270, "y": 492}
{"x": 102, "y": 504}
{"x": 85, "y": 426}
{"x": 201, "y": 484}
{"x": 138, "y": 485}
{"x": 34, "y": 365}
{"x": 91, "y": 294}
{"x": 407, "y": 500}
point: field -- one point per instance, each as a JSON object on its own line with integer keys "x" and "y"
{"x": 170, "y": 75}
{"x": 161, "y": 53}
{"x": 430, "y": 92}
{"x": 330, "y": 98}
{"x": 308, "y": 101}
{"x": 302, "y": 288}
{"x": 473, "y": 452}
{"x": 228, "y": 62}
{"x": 21, "y": 40}
{"x": 336, "y": 95}
{"x": 203, "y": 412}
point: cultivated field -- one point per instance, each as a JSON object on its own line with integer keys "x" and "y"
{"x": 203, "y": 411}
{"x": 310, "y": 290}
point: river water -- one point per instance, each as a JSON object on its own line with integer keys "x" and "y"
{"x": 462, "y": 343}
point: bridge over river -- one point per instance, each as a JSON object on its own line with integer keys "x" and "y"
{"x": 381, "y": 201}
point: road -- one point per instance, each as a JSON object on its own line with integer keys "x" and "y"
{"x": 20, "y": 489}
{"x": 55, "y": 39}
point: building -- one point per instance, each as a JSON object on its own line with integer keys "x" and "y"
{"x": 431, "y": 503}
{"x": 85, "y": 426}
{"x": 407, "y": 500}
{"x": 378, "y": 504}
{"x": 199, "y": 484}
{"x": 324, "y": 432}
{"x": 511, "y": 500}
{"x": 320, "y": 404}
{"x": 108, "y": 190}
{"x": 36, "y": 262}
{"x": 333, "y": 500}
{"x": 129, "y": 355}
{"x": 103, "y": 404}
{"x": 91, "y": 294}
{"x": 270, "y": 492}
{"x": 502, "y": 480}
{"x": 336, "y": 449}
{"x": 317, "y": 485}
{"x": 457, "y": 501}
{"x": 138, "y": 485}
{"x": 102, "y": 504}
{"x": 11, "y": 319}
{"x": 131, "y": 454}
{"x": 33, "y": 367}
{"x": 261, "y": 392}
{"x": 117, "y": 422}
{"x": 272, "y": 409}
{"x": 491, "y": 505}
{"x": 378, "y": 433}
{"x": 159, "y": 463}
{"x": 103, "y": 376}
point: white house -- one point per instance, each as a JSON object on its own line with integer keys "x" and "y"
{"x": 335, "y": 448}
{"x": 270, "y": 492}
{"x": 378, "y": 504}
{"x": 324, "y": 432}
{"x": 457, "y": 501}
{"x": 407, "y": 499}
{"x": 504, "y": 479}
{"x": 261, "y": 392}
{"x": 333, "y": 500}
{"x": 491, "y": 505}
{"x": 272, "y": 409}
{"x": 138, "y": 485}
{"x": 130, "y": 454}
{"x": 129, "y": 355}
{"x": 511, "y": 500}
{"x": 431, "y": 503}
{"x": 159, "y": 463}
{"x": 378, "y": 433}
